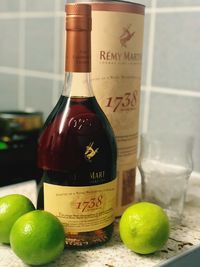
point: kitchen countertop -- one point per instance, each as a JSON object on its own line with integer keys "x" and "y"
{"x": 114, "y": 253}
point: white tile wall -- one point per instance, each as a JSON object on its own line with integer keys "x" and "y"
{"x": 31, "y": 61}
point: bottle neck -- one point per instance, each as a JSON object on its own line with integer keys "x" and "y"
{"x": 78, "y": 58}
{"x": 78, "y": 51}
{"x": 77, "y": 84}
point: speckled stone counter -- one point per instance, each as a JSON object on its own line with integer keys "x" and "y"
{"x": 114, "y": 254}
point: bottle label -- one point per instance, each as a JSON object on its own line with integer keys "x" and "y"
{"x": 116, "y": 78}
{"x": 81, "y": 209}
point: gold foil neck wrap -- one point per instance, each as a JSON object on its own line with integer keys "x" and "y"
{"x": 78, "y": 9}
{"x": 78, "y": 17}
{"x": 78, "y": 45}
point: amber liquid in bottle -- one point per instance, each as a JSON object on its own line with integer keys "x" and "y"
{"x": 77, "y": 150}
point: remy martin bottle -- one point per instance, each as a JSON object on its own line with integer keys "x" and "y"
{"x": 77, "y": 148}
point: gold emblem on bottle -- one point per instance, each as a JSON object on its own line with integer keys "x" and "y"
{"x": 90, "y": 152}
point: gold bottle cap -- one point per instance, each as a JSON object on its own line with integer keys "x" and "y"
{"x": 78, "y": 17}
{"x": 78, "y": 45}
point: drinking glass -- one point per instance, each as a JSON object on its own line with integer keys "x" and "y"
{"x": 165, "y": 164}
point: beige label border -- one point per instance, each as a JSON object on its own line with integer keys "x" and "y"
{"x": 120, "y": 7}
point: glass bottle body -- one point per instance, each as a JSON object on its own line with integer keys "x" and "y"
{"x": 77, "y": 149}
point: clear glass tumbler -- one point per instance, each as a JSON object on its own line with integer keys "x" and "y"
{"x": 165, "y": 164}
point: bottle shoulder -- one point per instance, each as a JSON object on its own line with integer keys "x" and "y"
{"x": 78, "y": 114}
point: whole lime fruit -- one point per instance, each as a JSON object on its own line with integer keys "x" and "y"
{"x": 37, "y": 237}
{"x": 11, "y": 208}
{"x": 144, "y": 227}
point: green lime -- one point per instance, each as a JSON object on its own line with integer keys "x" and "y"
{"x": 144, "y": 227}
{"x": 3, "y": 145}
{"x": 11, "y": 208}
{"x": 37, "y": 237}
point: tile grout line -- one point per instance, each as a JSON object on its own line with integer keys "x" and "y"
{"x": 149, "y": 66}
{"x": 149, "y": 10}
{"x": 57, "y": 30}
{"x": 175, "y": 9}
{"x": 30, "y": 15}
{"x": 59, "y": 77}
{"x": 172, "y": 91}
{"x": 30, "y": 73}
{"x": 21, "y": 59}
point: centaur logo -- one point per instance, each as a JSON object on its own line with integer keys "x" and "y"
{"x": 126, "y": 36}
{"x": 90, "y": 152}
{"x": 121, "y": 55}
